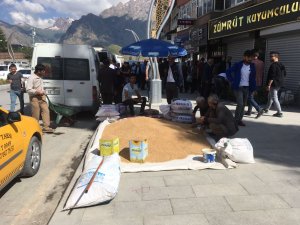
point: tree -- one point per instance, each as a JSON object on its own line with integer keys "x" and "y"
{"x": 3, "y": 42}
{"x": 114, "y": 49}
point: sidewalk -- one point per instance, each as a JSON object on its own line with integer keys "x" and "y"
{"x": 266, "y": 193}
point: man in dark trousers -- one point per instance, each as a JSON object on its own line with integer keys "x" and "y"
{"x": 276, "y": 75}
{"x": 106, "y": 80}
{"x": 207, "y": 78}
{"x": 243, "y": 80}
{"x": 15, "y": 80}
{"x": 173, "y": 80}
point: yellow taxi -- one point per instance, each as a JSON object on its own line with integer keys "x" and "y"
{"x": 20, "y": 146}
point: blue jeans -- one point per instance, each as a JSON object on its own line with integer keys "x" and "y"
{"x": 252, "y": 102}
{"x": 241, "y": 96}
{"x": 273, "y": 97}
{"x": 13, "y": 99}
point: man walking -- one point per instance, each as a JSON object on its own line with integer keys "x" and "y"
{"x": 15, "y": 80}
{"x": 37, "y": 97}
{"x": 174, "y": 80}
{"x": 242, "y": 78}
{"x": 259, "y": 67}
{"x": 276, "y": 75}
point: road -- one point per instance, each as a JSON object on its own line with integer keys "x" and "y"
{"x": 33, "y": 200}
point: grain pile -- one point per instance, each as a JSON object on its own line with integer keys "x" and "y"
{"x": 167, "y": 140}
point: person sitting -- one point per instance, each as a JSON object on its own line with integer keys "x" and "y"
{"x": 128, "y": 91}
{"x": 222, "y": 123}
{"x": 201, "y": 105}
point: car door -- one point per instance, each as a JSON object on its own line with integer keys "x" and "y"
{"x": 12, "y": 152}
{"x": 76, "y": 75}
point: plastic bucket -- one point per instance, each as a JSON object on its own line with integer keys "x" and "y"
{"x": 209, "y": 155}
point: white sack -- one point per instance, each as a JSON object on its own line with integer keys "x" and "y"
{"x": 237, "y": 149}
{"x": 111, "y": 118}
{"x": 105, "y": 185}
{"x": 165, "y": 109}
{"x": 183, "y": 119}
{"x": 181, "y": 104}
{"x": 107, "y": 111}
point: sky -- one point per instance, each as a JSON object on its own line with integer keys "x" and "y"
{"x": 42, "y": 13}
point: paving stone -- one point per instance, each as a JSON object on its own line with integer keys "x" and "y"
{"x": 187, "y": 179}
{"x": 129, "y": 194}
{"x": 142, "y": 181}
{"x": 100, "y": 210}
{"x": 293, "y": 199}
{"x": 193, "y": 219}
{"x": 157, "y": 207}
{"x": 74, "y": 218}
{"x": 162, "y": 173}
{"x": 128, "y": 220}
{"x": 256, "y": 202}
{"x": 295, "y": 183}
{"x": 279, "y": 175}
{"x": 199, "y": 205}
{"x": 219, "y": 190}
{"x": 168, "y": 192}
{"x": 284, "y": 216}
{"x": 239, "y": 218}
{"x": 234, "y": 177}
{"x": 269, "y": 188}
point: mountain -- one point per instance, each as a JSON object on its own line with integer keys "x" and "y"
{"x": 61, "y": 24}
{"x": 22, "y": 34}
{"x": 109, "y": 27}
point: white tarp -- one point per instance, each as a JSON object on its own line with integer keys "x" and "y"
{"x": 192, "y": 162}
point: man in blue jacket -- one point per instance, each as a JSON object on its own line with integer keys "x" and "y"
{"x": 242, "y": 78}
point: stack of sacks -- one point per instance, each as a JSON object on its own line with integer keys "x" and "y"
{"x": 181, "y": 111}
{"x": 107, "y": 112}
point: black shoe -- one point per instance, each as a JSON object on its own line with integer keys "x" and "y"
{"x": 265, "y": 110}
{"x": 247, "y": 113}
{"x": 259, "y": 113}
{"x": 278, "y": 114}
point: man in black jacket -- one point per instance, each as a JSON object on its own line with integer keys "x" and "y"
{"x": 275, "y": 80}
{"x": 106, "y": 80}
{"x": 173, "y": 80}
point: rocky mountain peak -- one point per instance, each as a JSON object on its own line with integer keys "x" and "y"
{"x": 61, "y": 24}
{"x": 135, "y": 9}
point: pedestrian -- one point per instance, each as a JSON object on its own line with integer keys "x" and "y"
{"x": 222, "y": 123}
{"x": 174, "y": 80}
{"x": 207, "y": 78}
{"x": 259, "y": 68}
{"x": 16, "y": 88}
{"x": 129, "y": 90}
{"x": 37, "y": 97}
{"x": 275, "y": 79}
{"x": 106, "y": 78}
{"x": 242, "y": 76}
{"x": 220, "y": 80}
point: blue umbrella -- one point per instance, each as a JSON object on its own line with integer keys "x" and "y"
{"x": 153, "y": 48}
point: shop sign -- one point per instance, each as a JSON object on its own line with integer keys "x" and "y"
{"x": 268, "y": 14}
{"x": 185, "y": 22}
{"x": 199, "y": 35}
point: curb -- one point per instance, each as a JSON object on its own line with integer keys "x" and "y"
{"x": 4, "y": 87}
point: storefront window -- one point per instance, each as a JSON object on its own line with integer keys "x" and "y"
{"x": 232, "y": 3}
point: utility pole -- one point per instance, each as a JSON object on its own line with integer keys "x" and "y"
{"x": 33, "y": 34}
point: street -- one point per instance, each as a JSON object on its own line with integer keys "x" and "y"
{"x": 33, "y": 200}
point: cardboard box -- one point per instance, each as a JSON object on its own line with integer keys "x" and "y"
{"x": 138, "y": 150}
{"x": 109, "y": 147}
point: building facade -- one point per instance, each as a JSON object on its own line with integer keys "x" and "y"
{"x": 219, "y": 28}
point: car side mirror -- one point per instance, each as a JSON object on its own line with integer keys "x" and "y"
{"x": 13, "y": 117}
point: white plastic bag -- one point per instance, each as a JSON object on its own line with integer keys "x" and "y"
{"x": 105, "y": 185}
{"x": 165, "y": 109}
{"x": 181, "y": 104}
{"x": 237, "y": 149}
{"x": 107, "y": 111}
{"x": 183, "y": 119}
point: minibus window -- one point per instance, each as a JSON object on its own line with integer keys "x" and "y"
{"x": 53, "y": 67}
{"x": 76, "y": 69}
